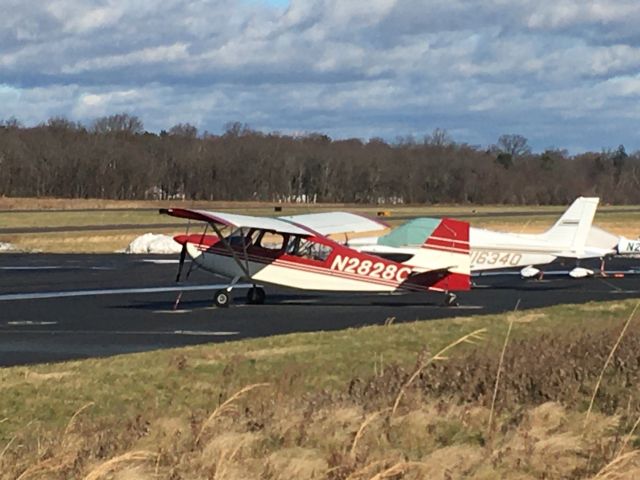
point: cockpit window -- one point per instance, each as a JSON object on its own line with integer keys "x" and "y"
{"x": 305, "y": 248}
{"x": 271, "y": 240}
{"x": 236, "y": 237}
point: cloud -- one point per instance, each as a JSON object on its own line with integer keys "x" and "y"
{"x": 550, "y": 70}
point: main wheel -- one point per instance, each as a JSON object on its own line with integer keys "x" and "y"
{"x": 222, "y": 299}
{"x": 256, "y": 296}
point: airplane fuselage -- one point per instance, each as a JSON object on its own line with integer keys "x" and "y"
{"x": 496, "y": 250}
{"x": 333, "y": 267}
{"x": 293, "y": 273}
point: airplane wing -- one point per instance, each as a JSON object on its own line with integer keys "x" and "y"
{"x": 330, "y": 223}
{"x": 235, "y": 220}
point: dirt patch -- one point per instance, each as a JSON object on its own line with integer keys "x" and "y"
{"x": 596, "y": 307}
{"x": 278, "y": 351}
{"x": 529, "y": 317}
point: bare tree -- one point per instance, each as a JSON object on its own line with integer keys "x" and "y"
{"x": 438, "y": 138}
{"x": 236, "y": 129}
{"x": 61, "y": 158}
{"x": 11, "y": 122}
{"x": 514, "y": 145}
{"x": 118, "y": 123}
{"x": 184, "y": 130}
{"x": 63, "y": 123}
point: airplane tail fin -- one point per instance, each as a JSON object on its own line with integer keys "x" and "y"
{"x": 572, "y": 228}
{"x": 444, "y": 255}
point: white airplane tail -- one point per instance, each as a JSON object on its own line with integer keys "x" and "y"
{"x": 571, "y": 230}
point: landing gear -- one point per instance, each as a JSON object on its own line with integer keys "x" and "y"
{"x": 222, "y": 298}
{"x": 450, "y": 299}
{"x": 255, "y": 296}
{"x": 603, "y": 272}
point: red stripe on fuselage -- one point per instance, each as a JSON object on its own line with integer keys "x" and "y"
{"x": 323, "y": 270}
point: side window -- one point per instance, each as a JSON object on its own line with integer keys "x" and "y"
{"x": 293, "y": 245}
{"x": 239, "y": 237}
{"x": 253, "y": 237}
{"x": 302, "y": 247}
{"x": 272, "y": 241}
{"x": 236, "y": 238}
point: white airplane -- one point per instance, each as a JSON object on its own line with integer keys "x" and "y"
{"x": 605, "y": 244}
{"x": 492, "y": 250}
{"x": 567, "y": 238}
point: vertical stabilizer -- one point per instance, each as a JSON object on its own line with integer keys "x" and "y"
{"x": 445, "y": 252}
{"x": 570, "y": 232}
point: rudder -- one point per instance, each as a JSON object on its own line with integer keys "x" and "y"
{"x": 572, "y": 228}
{"x": 449, "y": 256}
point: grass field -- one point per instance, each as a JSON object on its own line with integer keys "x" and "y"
{"x": 321, "y": 405}
{"x": 369, "y": 403}
{"x": 26, "y": 213}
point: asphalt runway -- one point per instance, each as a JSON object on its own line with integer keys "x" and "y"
{"x": 60, "y": 307}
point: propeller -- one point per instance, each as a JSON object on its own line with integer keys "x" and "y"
{"x": 183, "y": 254}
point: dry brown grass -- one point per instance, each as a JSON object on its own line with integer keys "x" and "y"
{"x": 614, "y": 219}
{"x": 360, "y": 431}
{"x": 348, "y": 432}
{"x": 30, "y": 203}
{"x": 422, "y": 364}
{"x": 74, "y": 416}
{"x": 227, "y": 406}
{"x": 608, "y": 361}
{"x": 623, "y": 467}
{"x": 500, "y": 363}
{"x": 112, "y": 464}
{"x": 435, "y": 439}
{"x": 49, "y": 466}
{"x": 81, "y": 242}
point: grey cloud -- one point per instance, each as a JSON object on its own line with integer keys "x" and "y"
{"x": 347, "y": 68}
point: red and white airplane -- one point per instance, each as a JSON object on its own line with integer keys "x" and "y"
{"x": 288, "y": 251}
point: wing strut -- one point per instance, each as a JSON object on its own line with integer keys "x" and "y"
{"x": 244, "y": 267}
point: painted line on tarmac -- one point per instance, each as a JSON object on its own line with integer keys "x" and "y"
{"x": 162, "y": 261}
{"x": 112, "y": 291}
{"x": 204, "y": 333}
{"x": 195, "y": 333}
{"x": 447, "y": 307}
{"x": 29, "y": 323}
{"x": 173, "y": 312}
{"x": 54, "y": 267}
{"x": 300, "y": 301}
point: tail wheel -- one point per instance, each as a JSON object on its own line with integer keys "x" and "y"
{"x": 222, "y": 299}
{"x": 256, "y": 296}
{"x": 451, "y": 299}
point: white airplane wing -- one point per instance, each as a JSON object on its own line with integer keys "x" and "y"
{"x": 330, "y": 223}
{"x": 235, "y": 220}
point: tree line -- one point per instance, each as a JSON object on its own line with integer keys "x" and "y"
{"x": 116, "y": 158}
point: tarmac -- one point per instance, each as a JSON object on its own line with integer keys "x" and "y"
{"x": 62, "y": 307}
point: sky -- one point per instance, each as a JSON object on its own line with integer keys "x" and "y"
{"x": 562, "y": 73}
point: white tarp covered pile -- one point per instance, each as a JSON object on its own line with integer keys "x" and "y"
{"x": 153, "y": 243}
{"x": 6, "y": 247}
